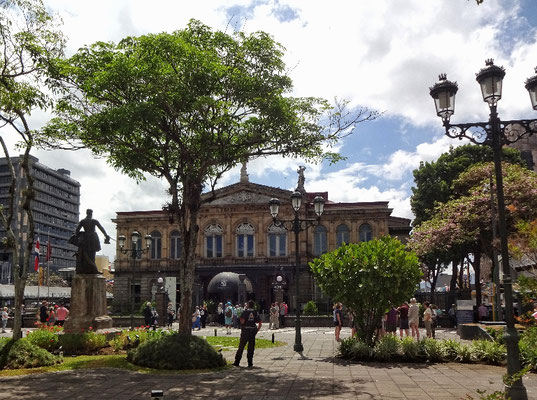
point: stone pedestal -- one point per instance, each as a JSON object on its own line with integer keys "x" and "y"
{"x": 88, "y": 304}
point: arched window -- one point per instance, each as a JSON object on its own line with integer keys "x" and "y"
{"x": 365, "y": 233}
{"x": 320, "y": 245}
{"x": 176, "y": 245}
{"x": 342, "y": 235}
{"x": 213, "y": 241}
{"x": 156, "y": 245}
{"x": 245, "y": 240}
{"x": 277, "y": 241}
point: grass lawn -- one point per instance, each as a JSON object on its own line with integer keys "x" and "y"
{"x": 119, "y": 361}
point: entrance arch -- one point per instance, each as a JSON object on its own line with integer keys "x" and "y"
{"x": 230, "y": 286}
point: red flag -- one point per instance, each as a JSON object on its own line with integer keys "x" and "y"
{"x": 36, "y": 251}
{"x": 49, "y": 251}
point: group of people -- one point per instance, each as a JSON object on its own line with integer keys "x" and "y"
{"x": 277, "y": 313}
{"x": 52, "y": 314}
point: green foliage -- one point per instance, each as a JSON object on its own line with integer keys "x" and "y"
{"x": 131, "y": 338}
{"x": 450, "y": 349}
{"x": 387, "y": 348}
{"x": 433, "y": 349}
{"x": 527, "y": 345}
{"x": 24, "y": 354}
{"x": 354, "y": 349}
{"x": 410, "y": 349}
{"x": 176, "y": 351}
{"x": 311, "y": 308}
{"x": 44, "y": 338}
{"x": 527, "y": 287}
{"x": 368, "y": 278}
{"x": 82, "y": 343}
{"x": 489, "y": 352}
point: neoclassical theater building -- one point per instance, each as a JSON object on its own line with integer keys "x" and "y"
{"x": 241, "y": 254}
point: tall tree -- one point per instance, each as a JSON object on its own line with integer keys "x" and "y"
{"x": 29, "y": 41}
{"x": 434, "y": 186}
{"x": 187, "y": 106}
{"x": 463, "y": 224}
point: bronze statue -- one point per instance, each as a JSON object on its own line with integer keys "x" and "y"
{"x": 88, "y": 244}
{"x": 301, "y": 179}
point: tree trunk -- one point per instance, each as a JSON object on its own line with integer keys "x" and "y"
{"x": 189, "y": 223}
{"x": 477, "y": 270}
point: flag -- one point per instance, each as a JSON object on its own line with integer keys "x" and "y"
{"x": 49, "y": 251}
{"x": 36, "y": 251}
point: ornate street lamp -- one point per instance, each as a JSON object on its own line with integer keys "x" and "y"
{"x": 297, "y": 225}
{"x": 134, "y": 253}
{"x": 494, "y": 133}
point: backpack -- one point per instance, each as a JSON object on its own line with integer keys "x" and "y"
{"x": 229, "y": 312}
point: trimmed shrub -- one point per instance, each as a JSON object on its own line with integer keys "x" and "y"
{"x": 466, "y": 354}
{"x": 175, "y": 352}
{"x": 128, "y": 339}
{"x": 24, "y": 354}
{"x": 410, "y": 349}
{"x": 432, "y": 349}
{"x": 44, "y": 338}
{"x": 387, "y": 348}
{"x": 311, "y": 308}
{"x": 489, "y": 352}
{"x": 354, "y": 349}
{"x": 82, "y": 343}
{"x": 450, "y": 349}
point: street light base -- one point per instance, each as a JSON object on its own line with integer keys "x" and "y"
{"x": 517, "y": 391}
{"x": 298, "y": 347}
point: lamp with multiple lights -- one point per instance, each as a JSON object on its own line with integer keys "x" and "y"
{"x": 494, "y": 133}
{"x": 297, "y": 225}
{"x": 134, "y": 253}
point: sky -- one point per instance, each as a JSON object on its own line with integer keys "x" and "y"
{"x": 383, "y": 55}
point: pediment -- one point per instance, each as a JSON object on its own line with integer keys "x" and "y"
{"x": 246, "y": 194}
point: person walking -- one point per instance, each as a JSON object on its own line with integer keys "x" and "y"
{"x": 43, "y": 312}
{"x": 391, "y": 321}
{"x": 338, "y": 320}
{"x": 61, "y": 315}
{"x": 5, "y": 317}
{"x": 171, "y": 314}
{"x": 428, "y": 319}
{"x": 483, "y": 312}
{"x": 204, "y": 314}
{"x": 51, "y": 320}
{"x": 403, "y": 319}
{"x": 414, "y": 318}
{"x": 274, "y": 316}
{"x": 228, "y": 317}
{"x": 147, "y": 314}
{"x": 283, "y": 313}
{"x": 250, "y": 325}
{"x": 196, "y": 319}
{"x": 154, "y": 318}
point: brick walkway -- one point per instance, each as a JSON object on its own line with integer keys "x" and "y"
{"x": 279, "y": 373}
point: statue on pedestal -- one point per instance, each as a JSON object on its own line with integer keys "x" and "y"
{"x": 88, "y": 244}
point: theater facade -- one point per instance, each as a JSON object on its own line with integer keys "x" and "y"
{"x": 241, "y": 254}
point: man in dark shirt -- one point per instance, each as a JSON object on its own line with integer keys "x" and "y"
{"x": 43, "y": 312}
{"x": 403, "y": 319}
{"x": 249, "y": 318}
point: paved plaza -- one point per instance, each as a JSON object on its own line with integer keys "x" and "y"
{"x": 279, "y": 373}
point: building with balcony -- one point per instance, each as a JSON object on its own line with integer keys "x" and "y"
{"x": 241, "y": 254}
{"x": 55, "y": 210}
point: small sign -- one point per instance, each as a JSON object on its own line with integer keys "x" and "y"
{"x": 157, "y": 395}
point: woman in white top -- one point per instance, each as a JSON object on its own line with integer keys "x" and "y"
{"x": 414, "y": 318}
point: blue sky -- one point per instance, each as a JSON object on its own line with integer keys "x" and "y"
{"x": 383, "y": 55}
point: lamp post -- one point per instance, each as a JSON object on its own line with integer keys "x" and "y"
{"x": 134, "y": 253}
{"x": 494, "y": 133}
{"x": 297, "y": 225}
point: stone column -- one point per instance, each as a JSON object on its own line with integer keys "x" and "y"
{"x": 88, "y": 304}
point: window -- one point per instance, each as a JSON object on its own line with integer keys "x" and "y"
{"x": 277, "y": 240}
{"x": 176, "y": 245}
{"x": 319, "y": 241}
{"x": 365, "y": 233}
{"x": 213, "y": 241}
{"x": 342, "y": 235}
{"x": 156, "y": 245}
{"x": 245, "y": 240}
{"x": 139, "y": 248}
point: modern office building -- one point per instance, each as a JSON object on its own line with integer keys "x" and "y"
{"x": 241, "y": 254}
{"x": 55, "y": 210}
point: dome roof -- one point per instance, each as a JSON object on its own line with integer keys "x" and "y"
{"x": 226, "y": 282}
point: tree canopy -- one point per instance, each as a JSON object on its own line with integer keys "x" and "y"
{"x": 186, "y": 107}
{"x": 368, "y": 278}
{"x": 29, "y": 41}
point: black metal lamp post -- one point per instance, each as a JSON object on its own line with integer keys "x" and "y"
{"x": 134, "y": 252}
{"x": 494, "y": 133}
{"x": 297, "y": 225}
